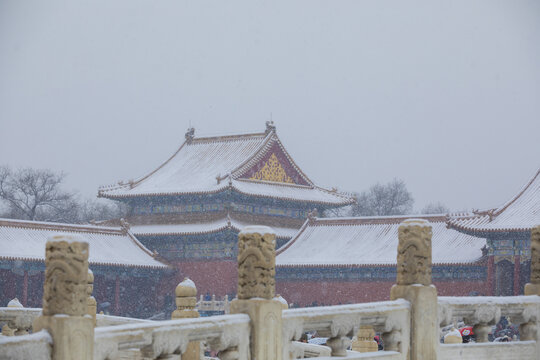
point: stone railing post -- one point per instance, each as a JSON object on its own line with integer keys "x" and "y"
{"x": 414, "y": 285}
{"x": 186, "y": 300}
{"x": 64, "y": 313}
{"x": 256, "y": 291}
{"x": 91, "y": 303}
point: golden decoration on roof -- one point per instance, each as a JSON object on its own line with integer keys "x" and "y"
{"x": 272, "y": 171}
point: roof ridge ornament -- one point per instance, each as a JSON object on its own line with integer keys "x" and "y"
{"x": 190, "y": 134}
{"x": 124, "y": 225}
{"x": 270, "y": 127}
{"x": 312, "y": 215}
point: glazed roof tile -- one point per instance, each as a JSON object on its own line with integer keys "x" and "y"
{"x": 25, "y": 240}
{"x": 519, "y": 214}
{"x": 215, "y": 164}
{"x": 371, "y": 241}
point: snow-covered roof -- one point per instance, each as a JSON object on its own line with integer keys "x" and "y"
{"x": 371, "y": 241}
{"x": 521, "y": 213}
{"x": 200, "y": 228}
{"x": 25, "y": 240}
{"x": 251, "y": 164}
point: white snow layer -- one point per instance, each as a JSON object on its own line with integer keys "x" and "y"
{"x": 366, "y": 241}
{"x": 522, "y": 212}
{"x": 187, "y": 283}
{"x": 259, "y": 229}
{"x": 197, "y": 165}
{"x": 14, "y": 303}
{"x": 26, "y": 241}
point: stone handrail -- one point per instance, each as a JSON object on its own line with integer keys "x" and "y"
{"x": 228, "y": 334}
{"x": 111, "y": 320}
{"x": 522, "y": 350}
{"x": 36, "y": 346}
{"x": 338, "y": 323}
{"x": 19, "y": 319}
{"x": 482, "y": 312}
{"x": 305, "y": 350}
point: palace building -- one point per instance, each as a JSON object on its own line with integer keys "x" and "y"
{"x": 508, "y": 233}
{"x": 128, "y": 278}
{"x": 191, "y": 208}
{"x": 347, "y": 260}
{"x": 344, "y": 260}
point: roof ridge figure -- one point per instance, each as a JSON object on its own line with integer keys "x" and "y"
{"x": 190, "y": 134}
{"x": 270, "y": 127}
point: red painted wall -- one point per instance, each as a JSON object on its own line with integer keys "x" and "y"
{"x": 345, "y": 292}
{"x": 211, "y": 277}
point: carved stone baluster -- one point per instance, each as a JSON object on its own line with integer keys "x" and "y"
{"x": 256, "y": 290}
{"x": 91, "y": 302}
{"x": 528, "y": 331}
{"x": 527, "y": 320}
{"x": 414, "y": 285}
{"x": 7, "y": 331}
{"x": 484, "y": 317}
{"x": 11, "y": 329}
{"x": 229, "y": 354}
{"x": 482, "y": 332}
{"x": 392, "y": 340}
{"x": 339, "y": 345}
{"x": 65, "y": 299}
{"x": 186, "y": 300}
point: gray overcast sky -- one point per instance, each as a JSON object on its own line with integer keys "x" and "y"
{"x": 445, "y": 95}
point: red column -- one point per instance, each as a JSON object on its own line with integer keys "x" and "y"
{"x": 491, "y": 276}
{"x": 117, "y": 295}
{"x": 25, "y": 289}
{"x": 517, "y": 275}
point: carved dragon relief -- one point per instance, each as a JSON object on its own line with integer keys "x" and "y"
{"x": 414, "y": 253}
{"x": 66, "y": 278}
{"x": 256, "y": 266}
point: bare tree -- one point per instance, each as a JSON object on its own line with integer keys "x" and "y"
{"x": 435, "y": 208}
{"x": 384, "y": 199}
{"x": 36, "y": 195}
{"x": 102, "y": 209}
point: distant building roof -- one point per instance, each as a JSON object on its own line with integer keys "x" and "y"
{"x": 250, "y": 164}
{"x": 25, "y": 240}
{"x": 521, "y": 213}
{"x": 199, "y": 228}
{"x": 371, "y": 241}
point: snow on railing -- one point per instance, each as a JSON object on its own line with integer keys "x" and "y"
{"x": 338, "y": 323}
{"x": 111, "y": 320}
{"x": 18, "y": 319}
{"x": 483, "y": 312}
{"x": 228, "y": 334}
{"x": 36, "y": 346}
